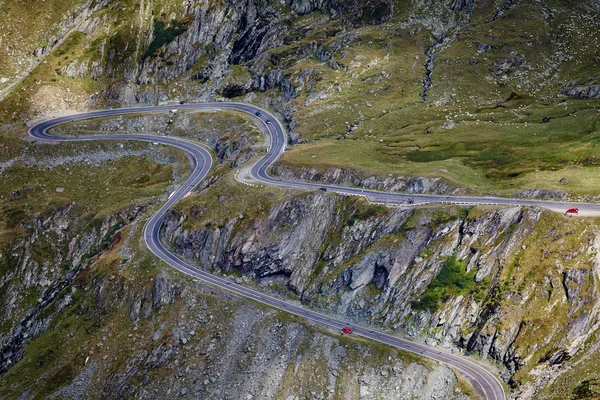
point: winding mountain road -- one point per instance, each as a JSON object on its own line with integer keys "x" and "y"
{"x": 484, "y": 383}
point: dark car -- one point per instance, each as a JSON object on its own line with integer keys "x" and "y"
{"x": 323, "y": 189}
{"x": 257, "y": 114}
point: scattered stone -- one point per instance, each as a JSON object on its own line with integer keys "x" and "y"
{"x": 158, "y": 332}
{"x": 364, "y": 391}
{"x": 483, "y": 48}
{"x": 449, "y": 125}
{"x": 508, "y": 65}
{"x": 583, "y": 92}
{"x": 60, "y": 190}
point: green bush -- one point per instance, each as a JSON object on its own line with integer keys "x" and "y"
{"x": 452, "y": 280}
{"x": 164, "y": 35}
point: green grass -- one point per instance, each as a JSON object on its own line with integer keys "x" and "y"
{"x": 227, "y": 200}
{"x": 452, "y": 280}
{"x": 483, "y": 154}
{"x": 111, "y": 186}
{"x": 499, "y": 144}
{"x": 27, "y": 29}
{"x": 366, "y": 212}
{"x": 164, "y": 33}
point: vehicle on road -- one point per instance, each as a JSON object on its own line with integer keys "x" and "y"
{"x": 323, "y": 189}
{"x": 346, "y": 331}
{"x": 572, "y": 211}
{"x": 257, "y": 114}
{"x": 411, "y": 201}
{"x": 268, "y": 121}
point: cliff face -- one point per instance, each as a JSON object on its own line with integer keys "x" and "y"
{"x": 348, "y": 177}
{"x": 518, "y": 287}
{"x": 174, "y": 338}
{"x": 87, "y": 312}
{"x": 112, "y": 324}
{"x": 29, "y": 267}
{"x": 531, "y": 303}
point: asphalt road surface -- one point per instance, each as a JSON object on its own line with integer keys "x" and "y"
{"x": 484, "y": 383}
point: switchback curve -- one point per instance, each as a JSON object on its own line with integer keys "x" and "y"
{"x": 484, "y": 383}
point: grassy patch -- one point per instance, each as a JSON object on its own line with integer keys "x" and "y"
{"x": 367, "y": 212}
{"x": 493, "y": 151}
{"x": 227, "y": 200}
{"x": 164, "y": 33}
{"x": 452, "y": 280}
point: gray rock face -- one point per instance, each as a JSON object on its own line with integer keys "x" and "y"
{"x": 373, "y": 269}
{"x": 449, "y": 125}
{"x": 47, "y": 275}
{"x": 163, "y": 292}
{"x": 206, "y": 344}
{"x": 357, "y": 11}
{"x": 347, "y": 177}
{"x": 542, "y": 194}
{"x": 370, "y": 280}
{"x": 307, "y": 6}
{"x": 583, "y": 92}
{"x": 461, "y": 5}
{"x": 483, "y": 48}
{"x": 508, "y": 65}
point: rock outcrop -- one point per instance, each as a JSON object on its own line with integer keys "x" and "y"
{"x": 376, "y": 268}
{"x": 348, "y": 177}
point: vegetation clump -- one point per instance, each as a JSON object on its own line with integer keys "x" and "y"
{"x": 587, "y": 390}
{"x": 372, "y": 210}
{"x": 164, "y": 34}
{"x": 452, "y": 280}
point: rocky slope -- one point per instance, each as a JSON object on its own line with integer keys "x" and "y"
{"x": 175, "y": 338}
{"x": 348, "y": 177}
{"x": 126, "y": 53}
{"x": 407, "y": 82}
{"x": 87, "y": 312}
{"x": 401, "y": 78}
{"x": 530, "y": 307}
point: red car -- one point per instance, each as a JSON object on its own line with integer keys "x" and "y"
{"x": 572, "y": 211}
{"x": 346, "y": 330}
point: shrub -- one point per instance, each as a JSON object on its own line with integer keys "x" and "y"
{"x": 452, "y": 280}
{"x": 164, "y": 35}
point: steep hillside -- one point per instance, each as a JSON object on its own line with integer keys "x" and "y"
{"x": 453, "y": 96}
{"x": 490, "y": 96}
{"x": 88, "y": 312}
{"x": 517, "y": 287}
